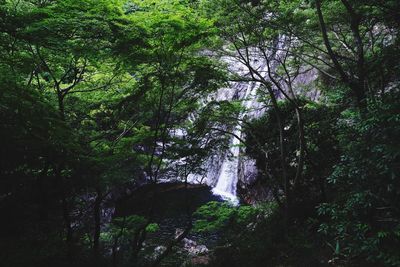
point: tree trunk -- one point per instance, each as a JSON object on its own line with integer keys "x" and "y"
{"x": 302, "y": 147}
{"x": 42, "y": 193}
{"x": 356, "y": 84}
{"x": 97, "y": 224}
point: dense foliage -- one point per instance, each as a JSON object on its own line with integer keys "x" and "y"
{"x": 100, "y": 97}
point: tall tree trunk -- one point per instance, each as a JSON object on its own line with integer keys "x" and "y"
{"x": 137, "y": 243}
{"x": 67, "y": 224}
{"x": 302, "y": 147}
{"x": 42, "y": 193}
{"x": 64, "y": 199}
{"x": 97, "y": 223}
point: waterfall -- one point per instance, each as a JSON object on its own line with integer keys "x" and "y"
{"x": 225, "y": 169}
{"x": 228, "y": 177}
{"x": 229, "y": 172}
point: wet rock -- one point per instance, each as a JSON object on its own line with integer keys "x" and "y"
{"x": 193, "y": 248}
{"x": 158, "y": 251}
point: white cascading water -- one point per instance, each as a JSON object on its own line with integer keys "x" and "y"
{"x": 228, "y": 177}
{"x": 235, "y": 165}
{"x": 229, "y": 172}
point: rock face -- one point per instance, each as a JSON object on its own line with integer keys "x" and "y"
{"x": 254, "y": 191}
{"x": 158, "y": 251}
{"x": 225, "y": 169}
{"x": 231, "y": 173}
{"x": 193, "y": 248}
{"x": 190, "y": 246}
